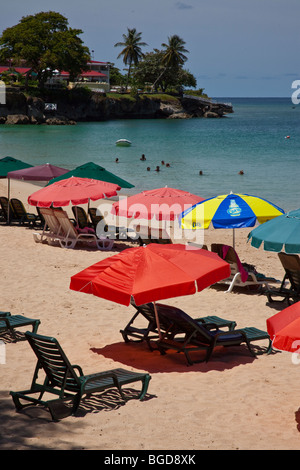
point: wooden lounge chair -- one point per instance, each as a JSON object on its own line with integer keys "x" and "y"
{"x": 20, "y": 214}
{"x": 289, "y": 289}
{"x": 195, "y": 337}
{"x": 67, "y": 381}
{"x": 71, "y": 236}
{"x": 242, "y": 274}
{"x": 150, "y": 331}
{"x": 9, "y": 322}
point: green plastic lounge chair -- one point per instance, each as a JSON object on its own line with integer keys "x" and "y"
{"x": 9, "y": 322}
{"x": 242, "y": 274}
{"x": 195, "y": 337}
{"x": 24, "y": 218}
{"x": 149, "y": 332}
{"x": 290, "y": 293}
{"x": 67, "y": 382}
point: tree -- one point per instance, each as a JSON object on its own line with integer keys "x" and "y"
{"x": 45, "y": 42}
{"x": 148, "y": 69}
{"x": 173, "y": 56}
{"x": 132, "y": 52}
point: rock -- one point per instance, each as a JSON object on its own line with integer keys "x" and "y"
{"x": 17, "y": 119}
{"x": 59, "y": 121}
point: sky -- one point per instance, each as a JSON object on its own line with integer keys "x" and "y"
{"x": 237, "y": 48}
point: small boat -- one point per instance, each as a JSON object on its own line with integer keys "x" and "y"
{"x": 123, "y": 142}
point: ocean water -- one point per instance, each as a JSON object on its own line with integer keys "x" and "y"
{"x": 252, "y": 139}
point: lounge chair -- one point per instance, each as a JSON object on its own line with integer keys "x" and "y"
{"x": 195, "y": 337}
{"x": 71, "y": 236}
{"x": 52, "y": 230}
{"x": 112, "y": 231}
{"x": 81, "y": 217}
{"x": 149, "y": 332}
{"x": 291, "y": 265}
{"x": 95, "y": 216}
{"x": 7, "y": 213}
{"x": 9, "y": 322}
{"x": 149, "y": 235}
{"x": 242, "y": 274}
{"x": 20, "y": 214}
{"x": 67, "y": 381}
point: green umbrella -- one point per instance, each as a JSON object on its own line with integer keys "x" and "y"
{"x": 96, "y": 172}
{"x": 8, "y": 164}
{"x": 279, "y": 234}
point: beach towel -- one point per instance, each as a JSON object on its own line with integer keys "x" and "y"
{"x": 242, "y": 270}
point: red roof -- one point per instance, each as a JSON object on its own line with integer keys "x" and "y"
{"x": 21, "y": 70}
{"x": 89, "y": 73}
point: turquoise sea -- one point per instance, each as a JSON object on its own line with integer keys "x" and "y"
{"x": 252, "y": 139}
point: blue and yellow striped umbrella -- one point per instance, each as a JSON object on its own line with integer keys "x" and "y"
{"x": 229, "y": 211}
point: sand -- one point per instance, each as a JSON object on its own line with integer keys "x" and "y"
{"x": 232, "y": 402}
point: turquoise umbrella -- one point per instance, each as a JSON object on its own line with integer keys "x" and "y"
{"x": 279, "y": 234}
{"x": 92, "y": 171}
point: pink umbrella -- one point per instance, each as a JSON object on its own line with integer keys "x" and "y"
{"x": 72, "y": 190}
{"x": 163, "y": 204}
{"x": 38, "y": 173}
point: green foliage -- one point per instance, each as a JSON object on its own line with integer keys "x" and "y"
{"x": 131, "y": 52}
{"x": 45, "y": 42}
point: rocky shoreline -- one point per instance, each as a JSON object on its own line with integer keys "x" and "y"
{"x": 22, "y": 109}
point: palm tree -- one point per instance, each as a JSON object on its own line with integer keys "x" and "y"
{"x": 132, "y": 52}
{"x": 173, "y": 56}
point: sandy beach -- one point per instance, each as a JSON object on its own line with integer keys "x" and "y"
{"x": 232, "y": 402}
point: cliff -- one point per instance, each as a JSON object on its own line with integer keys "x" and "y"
{"x": 69, "y": 109}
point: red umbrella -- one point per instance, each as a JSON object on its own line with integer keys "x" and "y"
{"x": 284, "y": 328}
{"x": 38, "y": 173}
{"x": 150, "y": 273}
{"x": 163, "y": 204}
{"x": 72, "y": 190}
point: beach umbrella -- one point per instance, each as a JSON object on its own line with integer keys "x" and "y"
{"x": 229, "y": 211}
{"x": 284, "y": 328}
{"x": 280, "y": 234}
{"x": 72, "y": 190}
{"x": 151, "y": 273}
{"x": 96, "y": 172}
{"x": 162, "y": 203}
{"x": 8, "y": 164}
{"x": 37, "y": 173}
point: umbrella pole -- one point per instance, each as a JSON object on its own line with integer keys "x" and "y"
{"x": 157, "y": 320}
{"x": 233, "y": 239}
{"x": 8, "y": 196}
